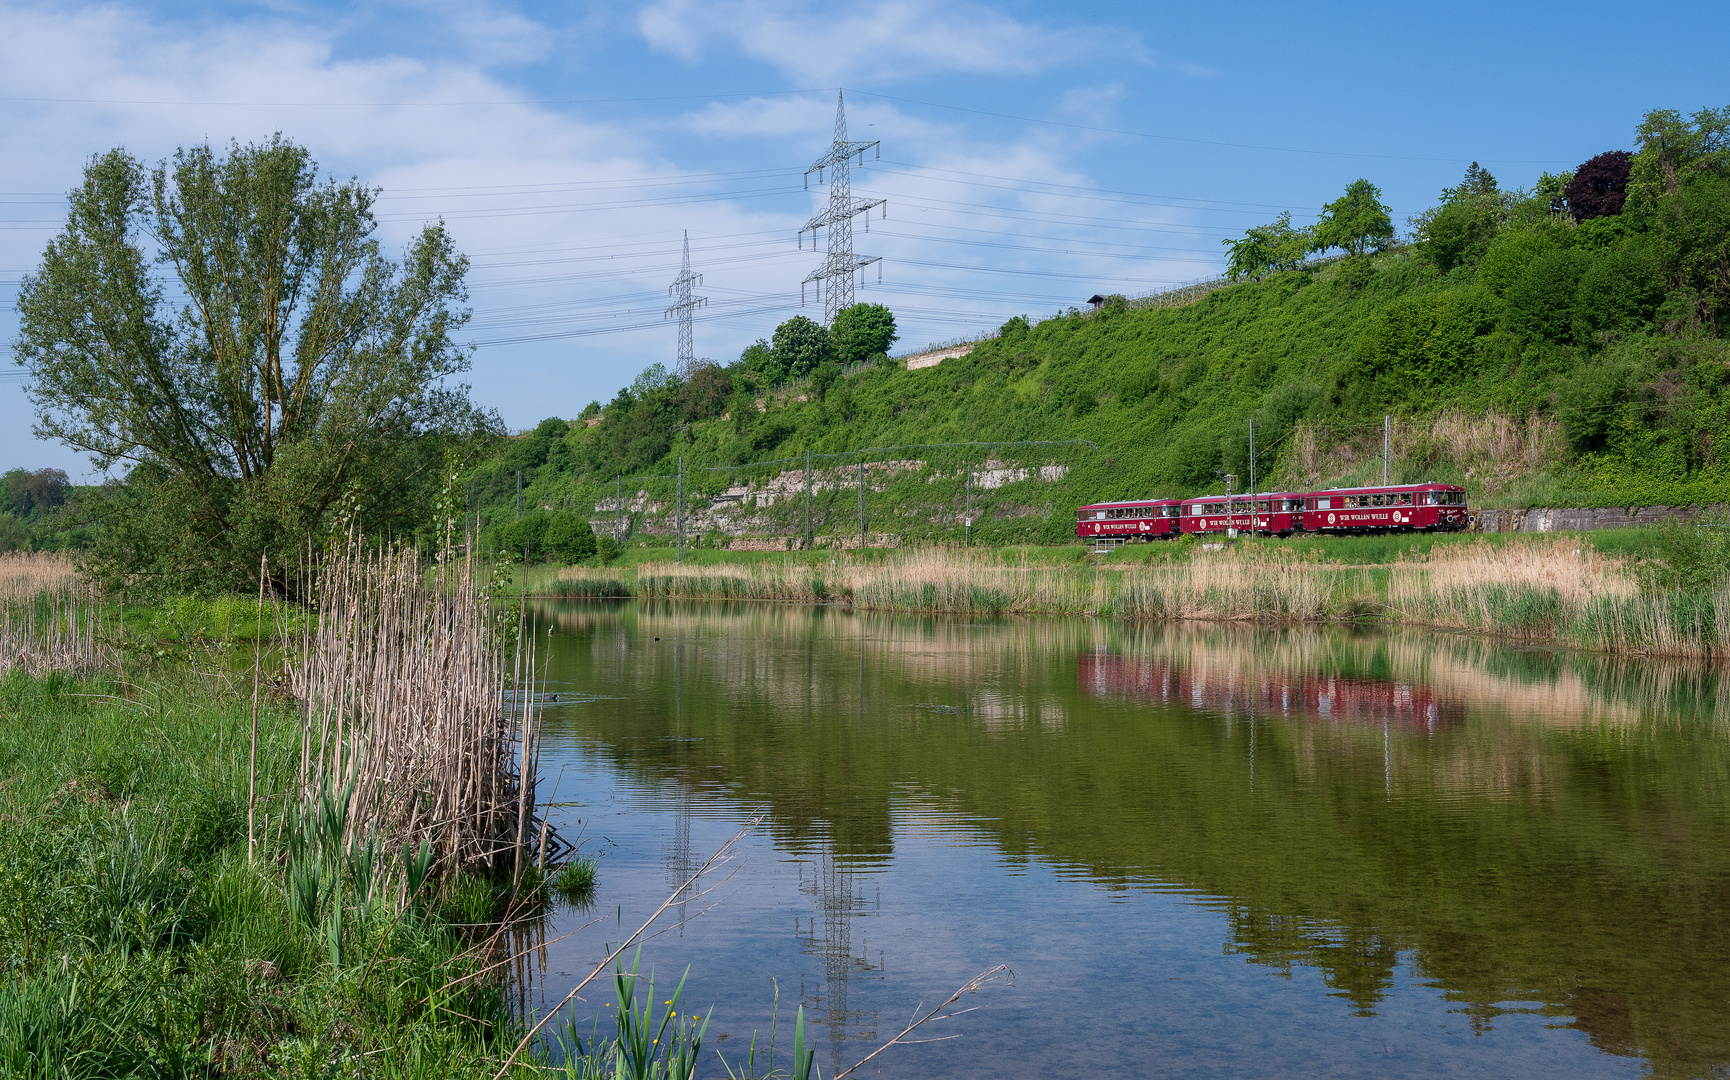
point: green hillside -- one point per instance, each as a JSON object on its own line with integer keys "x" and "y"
{"x": 1560, "y": 345}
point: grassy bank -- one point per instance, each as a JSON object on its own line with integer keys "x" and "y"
{"x": 244, "y": 839}
{"x": 173, "y": 903}
{"x": 138, "y": 939}
{"x": 1554, "y": 590}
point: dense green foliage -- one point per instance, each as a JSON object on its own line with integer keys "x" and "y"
{"x": 1608, "y": 330}
{"x": 33, "y": 507}
{"x": 1356, "y": 223}
{"x": 291, "y": 384}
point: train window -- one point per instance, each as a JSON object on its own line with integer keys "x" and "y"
{"x": 1378, "y": 500}
{"x": 1405, "y": 498}
{"x": 1324, "y": 504}
{"x": 1099, "y": 515}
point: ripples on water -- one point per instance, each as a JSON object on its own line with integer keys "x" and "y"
{"x": 1204, "y": 851}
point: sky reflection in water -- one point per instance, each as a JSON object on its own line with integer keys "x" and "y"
{"x": 1203, "y": 851}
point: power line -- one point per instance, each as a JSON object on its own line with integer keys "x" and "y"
{"x": 1202, "y": 142}
{"x": 406, "y": 104}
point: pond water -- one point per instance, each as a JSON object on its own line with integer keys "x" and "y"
{"x": 1202, "y": 851}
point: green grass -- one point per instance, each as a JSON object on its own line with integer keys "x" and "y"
{"x": 136, "y": 939}
{"x": 575, "y": 881}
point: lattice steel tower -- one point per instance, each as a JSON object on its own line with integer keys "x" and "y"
{"x": 683, "y": 304}
{"x": 835, "y": 277}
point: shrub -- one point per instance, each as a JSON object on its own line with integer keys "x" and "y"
{"x": 1542, "y": 301}
{"x": 570, "y": 537}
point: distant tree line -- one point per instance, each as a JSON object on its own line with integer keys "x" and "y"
{"x": 31, "y": 505}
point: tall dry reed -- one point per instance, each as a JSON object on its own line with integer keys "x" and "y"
{"x": 417, "y": 705}
{"x": 1557, "y": 590}
{"x": 50, "y": 619}
{"x": 23, "y": 574}
{"x": 1553, "y": 589}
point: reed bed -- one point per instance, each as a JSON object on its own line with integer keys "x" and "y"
{"x": 416, "y": 709}
{"x": 23, "y": 574}
{"x": 57, "y": 628}
{"x": 1555, "y": 589}
{"x": 1234, "y": 585}
{"x": 1560, "y": 591}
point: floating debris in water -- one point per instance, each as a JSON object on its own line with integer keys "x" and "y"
{"x": 942, "y": 708}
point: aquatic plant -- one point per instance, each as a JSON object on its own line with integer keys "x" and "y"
{"x": 407, "y": 685}
{"x": 1553, "y": 589}
{"x": 575, "y": 880}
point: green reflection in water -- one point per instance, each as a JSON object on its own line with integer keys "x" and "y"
{"x": 1535, "y": 831}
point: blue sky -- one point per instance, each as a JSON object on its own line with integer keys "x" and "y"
{"x": 1032, "y": 153}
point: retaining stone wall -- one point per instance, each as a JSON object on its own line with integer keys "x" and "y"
{"x": 1580, "y": 518}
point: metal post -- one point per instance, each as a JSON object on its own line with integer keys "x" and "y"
{"x": 679, "y": 517}
{"x": 861, "y": 504}
{"x": 1253, "y": 475}
{"x": 807, "y": 500}
{"x": 967, "y": 503}
{"x": 1387, "y": 423}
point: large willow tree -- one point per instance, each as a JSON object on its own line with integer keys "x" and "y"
{"x": 226, "y": 328}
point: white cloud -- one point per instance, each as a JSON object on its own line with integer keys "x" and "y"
{"x": 888, "y": 39}
{"x": 810, "y": 119}
{"x": 573, "y": 217}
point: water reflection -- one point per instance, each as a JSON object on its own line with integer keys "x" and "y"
{"x": 1279, "y": 692}
{"x": 1531, "y": 834}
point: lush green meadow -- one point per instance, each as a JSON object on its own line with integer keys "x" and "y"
{"x": 139, "y": 939}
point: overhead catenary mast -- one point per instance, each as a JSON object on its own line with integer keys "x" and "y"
{"x": 834, "y": 278}
{"x": 684, "y": 303}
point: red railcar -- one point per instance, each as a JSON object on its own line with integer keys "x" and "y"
{"x": 1145, "y": 519}
{"x": 1396, "y": 508}
{"x": 1278, "y": 513}
{"x": 1400, "y": 508}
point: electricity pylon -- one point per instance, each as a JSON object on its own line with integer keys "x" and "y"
{"x": 683, "y": 304}
{"x": 835, "y": 277}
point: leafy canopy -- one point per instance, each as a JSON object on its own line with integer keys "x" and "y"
{"x": 292, "y": 382}
{"x": 1267, "y": 248}
{"x": 801, "y": 345}
{"x": 1600, "y": 186}
{"x": 1356, "y": 221}
{"x": 861, "y": 332}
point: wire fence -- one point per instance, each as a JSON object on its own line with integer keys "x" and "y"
{"x": 876, "y": 496}
{"x": 1177, "y": 295}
